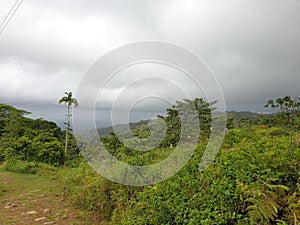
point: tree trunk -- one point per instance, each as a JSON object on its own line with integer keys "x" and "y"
{"x": 67, "y": 129}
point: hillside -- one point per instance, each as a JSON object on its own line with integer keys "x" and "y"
{"x": 104, "y": 131}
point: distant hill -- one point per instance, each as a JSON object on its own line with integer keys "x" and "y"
{"x": 104, "y": 131}
{"x": 237, "y": 116}
{"x": 243, "y": 115}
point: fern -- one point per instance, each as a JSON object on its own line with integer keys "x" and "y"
{"x": 262, "y": 209}
{"x": 294, "y": 206}
{"x": 264, "y": 202}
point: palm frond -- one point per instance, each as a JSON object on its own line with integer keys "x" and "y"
{"x": 63, "y": 99}
{"x": 75, "y": 102}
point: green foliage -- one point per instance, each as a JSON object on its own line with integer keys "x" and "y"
{"x": 32, "y": 140}
{"x": 264, "y": 202}
{"x": 253, "y": 181}
{"x": 105, "y": 131}
{"x": 288, "y": 115}
{"x": 293, "y": 209}
{"x": 242, "y": 119}
{"x": 173, "y": 122}
{"x": 141, "y": 132}
{"x": 89, "y": 191}
{"x": 14, "y": 165}
{"x": 69, "y": 100}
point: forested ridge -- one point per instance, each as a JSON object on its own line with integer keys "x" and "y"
{"x": 32, "y": 140}
{"x": 255, "y": 179}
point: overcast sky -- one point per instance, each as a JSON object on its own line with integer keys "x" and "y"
{"x": 252, "y": 46}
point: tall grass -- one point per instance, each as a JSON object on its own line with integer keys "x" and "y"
{"x": 18, "y": 166}
{"x": 89, "y": 191}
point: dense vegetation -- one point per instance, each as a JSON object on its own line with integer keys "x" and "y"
{"x": 31, "y": 140}
{"x": 255, "y": 178}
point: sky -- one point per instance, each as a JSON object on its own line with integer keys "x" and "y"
{"x": 49, "y": 47}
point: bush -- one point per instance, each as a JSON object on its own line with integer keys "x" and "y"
{"x": 18, "y": 166}
{"x": 89, "y": 191}
{"x": 254, "y": 180}
{"x": 254, "y": 171}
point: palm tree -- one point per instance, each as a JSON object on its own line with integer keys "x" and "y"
{"x": 69, "y": 101}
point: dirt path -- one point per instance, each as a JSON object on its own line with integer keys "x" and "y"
{"x": 35, "y": 199}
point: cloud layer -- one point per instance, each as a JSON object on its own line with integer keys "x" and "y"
{"x": 253, "y": 47}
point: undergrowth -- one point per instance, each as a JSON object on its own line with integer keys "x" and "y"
{"x": 18, "y": 166}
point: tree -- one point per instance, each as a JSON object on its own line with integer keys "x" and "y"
{"x": 26, "y": 139}
{"x": 173, "y": 122}
{"x": 69, "y": 101}
{"x": 289, "y": 109}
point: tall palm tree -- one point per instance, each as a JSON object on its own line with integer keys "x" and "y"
{"x": 69, "y": 101}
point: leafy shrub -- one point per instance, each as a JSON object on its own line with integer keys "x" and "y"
{"x": 89, "y": 191}
{"x": 250, "y": 157}
{"x": 254, "y": 180}
{"x": 18, "y": 166}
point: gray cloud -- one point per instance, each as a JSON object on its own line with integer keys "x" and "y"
{"x": 253, "y": 47}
